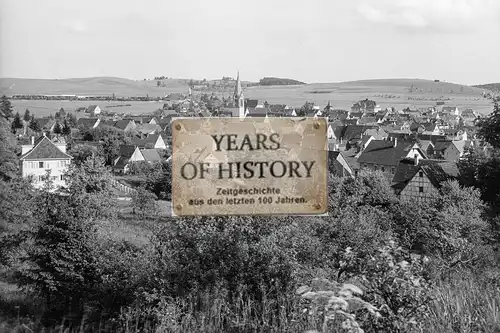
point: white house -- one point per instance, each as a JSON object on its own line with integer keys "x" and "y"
{"x": 43, "y": 155}
{"x": 128, "y": 153}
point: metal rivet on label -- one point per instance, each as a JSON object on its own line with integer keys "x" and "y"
{"x": 317, "y": 206}
{"x": 178, "y": 127}
{"x": 316, "y": 125}
{"x": 178, "y": 207}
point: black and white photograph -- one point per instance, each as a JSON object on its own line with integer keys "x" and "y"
{"x": 274, "y": 166}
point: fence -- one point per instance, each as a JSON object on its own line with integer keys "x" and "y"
{"x": 123, "y": 188}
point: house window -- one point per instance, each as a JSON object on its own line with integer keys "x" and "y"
{"x": 40, "y": 164}
{"x": 61, "y": 177}
{"x": 383, "y": 169}
{"x": 421, "y": 189}
{"x": 421, "y": 174}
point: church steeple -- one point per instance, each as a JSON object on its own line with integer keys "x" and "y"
{"x": 237, "y": 89}
{"x": 239, "y": 100}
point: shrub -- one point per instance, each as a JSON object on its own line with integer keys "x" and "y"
{"x": 395, "y": 283}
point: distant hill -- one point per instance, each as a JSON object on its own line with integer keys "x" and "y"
{"x": 90, "y": 86}
{"x": 489, "y": 86}
{"x": 276, "y": 81}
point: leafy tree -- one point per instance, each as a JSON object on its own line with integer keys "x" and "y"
{"x": 111, "y": 138}
{"x": 159, "y": 181}
{"x": 66, "y": 129}
{"x": 16, "y": 123}
{"x": 82, "y": 152}
{"x": 6, "y": 107}
{"x": 71, "y": 119}
{"x": 144, "y": 202}
{"x": 34, "y": 125}
{"x": 365, "y": 104}
{"x": 89, "y": 185}
{"x": 490, "y": 127}
{"x": 27, "y": 115}
{"x": 305, "y": 109}
{"x": 60, "y": 266}
{"x": 482, "y": 171}
{"x": 9, "y": 163}
{"x": 57, "y": 115}
{"x": 57, "y": 128}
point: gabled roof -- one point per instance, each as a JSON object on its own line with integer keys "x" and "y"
{"x": 151, "y": 155}
{"x": 45, "y": 123}
{"x": 147, "y": 128}
{"x": 437, "y": 171}
{"x": 367, "y": 120}
{"x": 383, "y": 152}
{"x": 442, "y": 145}
{"x": 87, "y": 122}
{"x": 122, "y": 124}
{"x": 142, "y": 142}
{"x": 44, "y": 149}
{"x": 91, "y": 108}
{"x": 127, "y": 150}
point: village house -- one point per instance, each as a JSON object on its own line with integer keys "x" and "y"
{"x": 420, "y": 180}
{"x": 451, "y": 110}
{"x": 93, "y": 110}
{"x": 155, "y": 141}
{"x": 42, "y": 155}
{"x": 385, "y": 155}
{"x": 46, "y": 124}
{"x": 147, "y": 129}
{"x": 132, "y": 153}
{"x": 88, "y": 123}
{"x": 127, "y": 154}
{"x": 338, "y": 164}
{"x": 451, "y": 150}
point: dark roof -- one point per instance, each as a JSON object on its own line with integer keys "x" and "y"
{"x": 437, "y": 171}
{"x": 258, "y": 112}
{"x": 383, "y": 152}
{"x": 44, "y": 149}
{"x": 122, "y": 124}
{"x": 151, "y": 155}
{"x": 91, "y": 108}
{"x": 127, "y": 150}
{"x": 45, "y": 123}
{"x": 121, "y": 162}
{"x": 141, "y": 143}
{"x": 442, "y": 145}
{"x": 354, "y": 132}
{"x": 86, "y": 122}
{"x": 367, "y": 120}
{"x": 251, "y": 103}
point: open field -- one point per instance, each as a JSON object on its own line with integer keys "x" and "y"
{"x": 387, "y": 92}
{"x": 41, "y": 108}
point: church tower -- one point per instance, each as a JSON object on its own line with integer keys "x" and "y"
{"x": 239, "y": 100}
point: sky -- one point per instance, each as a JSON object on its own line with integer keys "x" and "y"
{"x": 312, "y": 41}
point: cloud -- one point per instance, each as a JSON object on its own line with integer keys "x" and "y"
{"x": 451, "y": 16}
{"x": 75, "y": 26}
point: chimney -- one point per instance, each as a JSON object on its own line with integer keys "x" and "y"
{"x": 415, "y": 159}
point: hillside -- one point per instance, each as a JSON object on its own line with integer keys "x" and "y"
{"x": 489, "y": 86}
{"x": 399, "y": 93}
{"x": 276, "y": 81}
{"x": 90, "y": 86}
